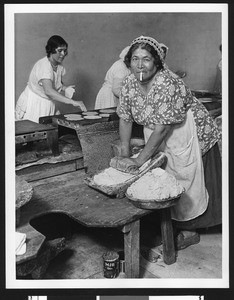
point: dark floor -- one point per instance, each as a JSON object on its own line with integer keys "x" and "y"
{"x": 82, "y": 257}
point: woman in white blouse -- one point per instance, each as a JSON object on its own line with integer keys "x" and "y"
{"x": 108, "y": 95}
{"x": 45, "y": 85}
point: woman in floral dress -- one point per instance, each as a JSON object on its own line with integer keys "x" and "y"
{"x": 176, "y": 123}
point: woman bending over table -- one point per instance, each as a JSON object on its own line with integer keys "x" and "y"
{"x": 176, "y": 123}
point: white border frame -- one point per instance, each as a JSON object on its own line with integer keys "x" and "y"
{"x": 10, "y": 10}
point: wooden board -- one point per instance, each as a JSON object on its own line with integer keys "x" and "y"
{"x": 75, "y": 124}
{"x": 27, "y": 126}
{"x": 37, "y": 172}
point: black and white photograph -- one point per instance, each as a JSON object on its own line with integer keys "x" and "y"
{"x": 116, "y": 147}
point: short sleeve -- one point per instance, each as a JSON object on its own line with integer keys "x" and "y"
{"x": 43, "y": 70}
{"x": 170, "y": 101}
{"x": 124, "y": 106}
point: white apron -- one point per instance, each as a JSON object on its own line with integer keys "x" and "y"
{"x": 184, "y": 161}
{"x": 105, "y": 97}
{"x": 31, "y": 105}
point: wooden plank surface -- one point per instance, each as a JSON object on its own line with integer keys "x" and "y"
{"x": 27, "y": 126}
{"x": 76, "y": 124}
{"x": 37, "y": 172}
{"x": 68, "y": 194}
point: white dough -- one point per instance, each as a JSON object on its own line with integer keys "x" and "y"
{"x": 111, "y": 176}
{"x": 155, "y": 185}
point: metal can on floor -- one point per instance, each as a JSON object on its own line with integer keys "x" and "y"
{"x": 110, "y": 264}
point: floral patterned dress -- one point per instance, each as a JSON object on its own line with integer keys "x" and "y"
{"x": 167, "y": 103}
{"x": 193, "y": 133}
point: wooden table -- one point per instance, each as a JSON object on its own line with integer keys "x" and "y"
{"x": 29, "y": 131}
{"x": 68, "y": 194}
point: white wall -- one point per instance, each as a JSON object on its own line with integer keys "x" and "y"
{"x": 96, "y": 39}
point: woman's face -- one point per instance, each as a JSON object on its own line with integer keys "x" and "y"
{"x": 143, "y": 62}
{"x": 59, "y": 54}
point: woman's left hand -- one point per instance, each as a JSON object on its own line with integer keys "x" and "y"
{"x": 69, "y": 91}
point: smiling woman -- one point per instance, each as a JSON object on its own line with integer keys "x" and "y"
{"x": 45, "y": 85}
{"x": 179, "y": 125}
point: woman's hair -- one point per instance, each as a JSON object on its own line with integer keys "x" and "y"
{"x": 53, "y": 43}
{"x": 150, "y": 49}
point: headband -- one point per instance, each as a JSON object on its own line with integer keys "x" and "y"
{"x": 152, "y": 42}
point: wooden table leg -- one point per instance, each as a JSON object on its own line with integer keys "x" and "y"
{"x": 169, "y": 254}
{"x": 132, "y": 249}
{"x": 52, "y": 140}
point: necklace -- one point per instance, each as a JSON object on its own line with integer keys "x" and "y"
{"x": 54, "y": 67}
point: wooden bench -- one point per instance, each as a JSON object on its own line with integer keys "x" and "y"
{"x": 39, "y": 253}
{"x": 68, "y": 194}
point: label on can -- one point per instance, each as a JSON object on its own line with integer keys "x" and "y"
{"x": 110, "y": 264}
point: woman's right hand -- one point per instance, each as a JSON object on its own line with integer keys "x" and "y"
{"x": 125, "y": 150}
{"x": 79, "y": 104}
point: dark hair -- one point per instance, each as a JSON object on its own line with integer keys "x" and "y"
{"x": 150, "y": 49}
{"x": 53, "y": 43}
{"x": 164, "y": 49}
